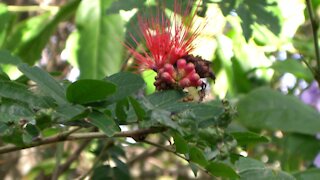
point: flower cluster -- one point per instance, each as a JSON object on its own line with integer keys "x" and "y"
{"x": 168, "y": 46}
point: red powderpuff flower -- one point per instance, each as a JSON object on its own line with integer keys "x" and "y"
{"x": 165, "y": 41}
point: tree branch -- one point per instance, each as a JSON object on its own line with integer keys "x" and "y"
{"x": 66, "y": 136}
{"x": 315, "y": 27}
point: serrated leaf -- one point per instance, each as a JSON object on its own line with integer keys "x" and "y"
{"x": 268, "y": 109}
{"x": 221, "y": 170}
{"x": 89, "y": 90}
{"x": 104, "y": 123}
{"x": 45, "y": 82}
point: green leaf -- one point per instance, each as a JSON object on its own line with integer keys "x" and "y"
{"x": 88, "y": 90}
{"x": 13, "y": 112}
{"x": 12, "y": 90}
{"x": 297, "y": 149}
{"x": 246, "y": 21}
{"x": 246, "y": 138}
{"x": 32, "y": 130}
{"x": 99, "y": 50}
{"x": 32, "y": 35}
{"x": 163, "y": 99}
{"x": 251, "y": 169}
{"x": 5, "y": 19}
{"x": 122, "y": 108}
{"x": 45, "y": 82}
{"x": 268, "y": 109}
{"x": 70, "y": 111}
{"x": 197, "y": 156}
{"x": 308, "y": 174}
{"x": 7, "y": 58}
{"x": 221, "y": 170}
{"x": 102, "y": 172}
{"x": 14, "y": 136}
{"x": 294, "y": 67}
{"x": 127, "y": 84}
{"x": 257, "y": 11}
{"x": 139, "y": 111}
{"x": 104, "y": 123}
{"x": 181, "y": 144}
{"x": 164, "y": 118}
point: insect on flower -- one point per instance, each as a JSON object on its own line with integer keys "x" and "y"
{"x": 168, "y": 44}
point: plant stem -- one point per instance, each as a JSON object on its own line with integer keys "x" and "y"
{"x": 66, "y": 136}
{"x": 315, "y": 27}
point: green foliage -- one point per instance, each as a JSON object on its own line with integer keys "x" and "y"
{"x": 265, "y": 108}
{"x": 99, "y": 51}
{"x": 87, "y": 91}
{"x": 245, "y": 43}
{"x": 35, "y": 33}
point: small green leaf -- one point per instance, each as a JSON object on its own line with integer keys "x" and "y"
{"x": 181, "y": 144}
{"x": 127, "y": 84}
{"x": 221, "y": 170}
{"x": 245, "y": 138}
{"x": 88, "y": 90}
{"x": 32, "y": 130}
{"x": 45, "y": 82}
{"x": 197, "y": 156}
{"x": 140, "y": 112}
{"x": 104, "y": 123}
{"x": 122, "y": 108}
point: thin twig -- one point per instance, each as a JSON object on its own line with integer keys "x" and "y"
{"x": 135, "y": 134}
{"x": 65, "y": 166}
{"x": 146, "y": 154}
{"x": 315, "y": 27}
{"x": 96, "y": 161}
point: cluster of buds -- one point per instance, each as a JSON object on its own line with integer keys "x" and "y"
{"x": 168, "y": 46}
{"x": 182, "y": 75}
